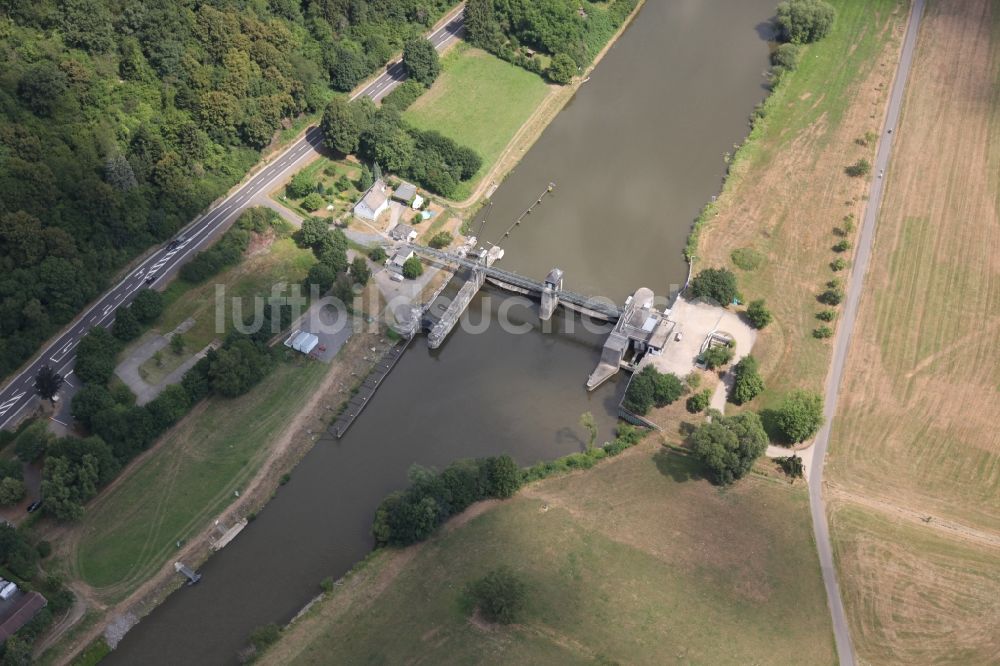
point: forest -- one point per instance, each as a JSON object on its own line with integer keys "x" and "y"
{"x": 571, "y": 32}
{"x": 122, "y": 120}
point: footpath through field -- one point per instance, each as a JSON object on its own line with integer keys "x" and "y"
{"x": 817, "y": 505}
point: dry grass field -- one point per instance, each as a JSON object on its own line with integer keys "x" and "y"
{"x": 916, "y": 430}
{"x": 637, "y": 561}
{"x": 787, "y": 190}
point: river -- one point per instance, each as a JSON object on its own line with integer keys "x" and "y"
{"x": 634, "y": 156}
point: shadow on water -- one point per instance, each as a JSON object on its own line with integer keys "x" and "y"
{"x": 678, "y": 467}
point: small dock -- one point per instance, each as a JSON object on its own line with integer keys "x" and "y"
{"x": 183, "y": 569}
{"x": 367, "y": 389}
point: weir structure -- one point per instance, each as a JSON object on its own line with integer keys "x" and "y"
{"x": 476, "y": 269}
{"x": 639, "y": 328}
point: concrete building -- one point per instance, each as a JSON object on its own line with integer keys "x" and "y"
{"x": 405, "y": 192}
{"x": 641, "y": 330}
{"x": 396, "y": 261}
{"x": 403, "y": 232}
{"x": 373, "y": 203}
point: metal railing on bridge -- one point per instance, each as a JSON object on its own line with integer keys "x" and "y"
{"x": 601, "y": 306}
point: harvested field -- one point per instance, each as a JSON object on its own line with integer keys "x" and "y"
{"x": 916, "y": 429}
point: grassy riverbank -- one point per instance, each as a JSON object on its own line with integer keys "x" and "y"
{"x": 787, "y": 190}
{"x": 663, "y": 576}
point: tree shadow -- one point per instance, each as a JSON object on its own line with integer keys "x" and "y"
{"x": 767, "y": 30}
{"x": 567, "y": 434}
{"x": 769, "y": 419}
{"x": 678, "y": 467}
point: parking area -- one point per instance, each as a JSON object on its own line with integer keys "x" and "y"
{"x": 330, "y": 325}
{"x": 695, "y": 321}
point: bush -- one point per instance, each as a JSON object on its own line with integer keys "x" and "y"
{"x": 860, "y": 168}
{"x": 442, "y": 239}
{"x": 262, "y": 637}
{"x": 717, "y": 356}
{"x": 758, "y": 314}
{"x": 561, "y": 70}
{"x": 826, "y": 315}
{"x": 822, "y": 332}
{"x": 791, "y": 465}
{"x": 95, "y": 356}
{"x": 147, "y": 306}
{"x": 786, "y": 56}
{"x": 804, "y": 21}
{"x": 404, "y": 95}
{"x": 377, "y": 255}
{"x": 832, "y": 296}
{"x": 31, "y": 444}
{"x": 800, "y": 415}
{"x": 300, "y": 186}
{"x": 715, "y": 284}
{"x": 11, "y": 491}
{"x": 499, "y": 595}
{"x": 126, "y": 326}
{"x": 748, "y": 383}
{"x": 360, "y": 272}
{"x": 650, "y": 387}
{"x": 747, "y": 258}
{"x": 838, "y": 265}
{"x": 699, "y": 401}
{"x": 412, "y": 268}
{"x": 729, "y": 445}
{"x": 313, "y": 202}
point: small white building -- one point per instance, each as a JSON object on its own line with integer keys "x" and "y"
{"x": 302, "y": 341}
{"x": 373, "y": 203}
{"x": 8, "y": 591}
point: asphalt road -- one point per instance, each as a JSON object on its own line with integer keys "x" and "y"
{"x": 165, "y": 262}
{"x": 841, "y": 631}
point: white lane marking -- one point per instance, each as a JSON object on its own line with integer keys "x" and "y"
{"x": 10, "y": 403}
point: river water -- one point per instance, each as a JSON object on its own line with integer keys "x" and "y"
{"x": 634, "y": 156}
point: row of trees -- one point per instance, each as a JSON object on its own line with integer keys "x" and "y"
{"x": 123, "y": 119}
{"x": 411, "y": 515}
{"x": 381, "y": 136}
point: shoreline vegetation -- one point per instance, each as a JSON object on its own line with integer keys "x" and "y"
{"x": 84, "y": 635}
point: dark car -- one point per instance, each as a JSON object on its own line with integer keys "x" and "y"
{"x": 34, "y": 506}
{"x": 150, "y": 278}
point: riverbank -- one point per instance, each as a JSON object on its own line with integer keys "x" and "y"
{"x": 532, "y": 128}
{"x": 593, "y": 567}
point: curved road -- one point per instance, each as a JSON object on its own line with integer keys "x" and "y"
{"x": 841, "y": 631}
{"x": 165, "y": 262}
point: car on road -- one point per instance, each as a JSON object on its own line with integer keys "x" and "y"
{"x": 150, "y": 278}
{"x": 34, "y": 506}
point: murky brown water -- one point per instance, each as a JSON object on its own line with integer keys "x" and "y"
{"x": 634, "y": 156}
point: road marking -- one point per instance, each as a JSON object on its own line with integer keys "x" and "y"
{"x": 10, "y": 403}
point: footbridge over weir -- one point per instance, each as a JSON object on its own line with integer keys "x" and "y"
{"x": 479, "y": 269}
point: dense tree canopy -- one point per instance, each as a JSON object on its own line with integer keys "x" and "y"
{"x": 421, "y": 60}
{"x": 800, "y": 415}
{"x": 122, "y": 120}
{"x": 715, "y": 284}
{"x": 570, "y": 31}
{"x": 804, "y": 21}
